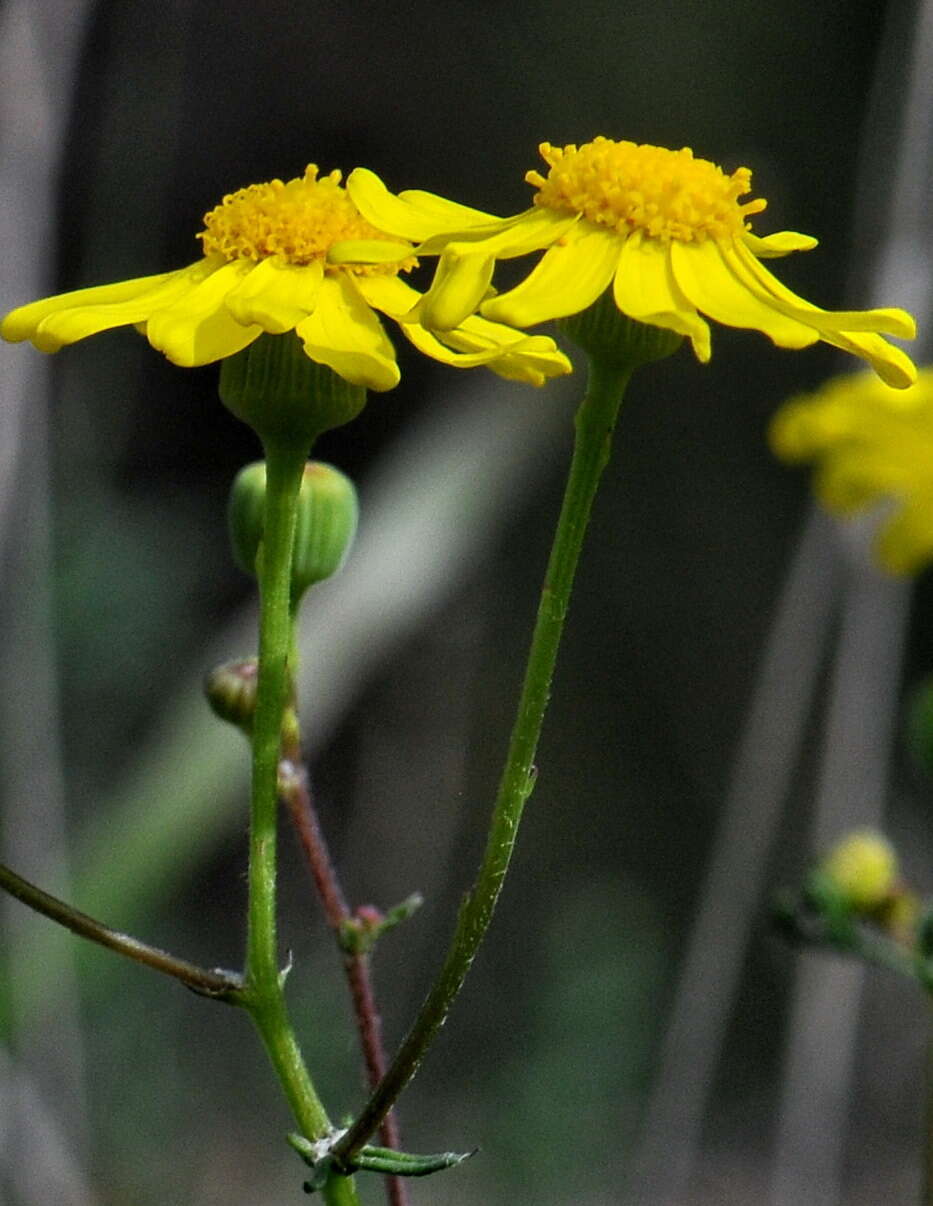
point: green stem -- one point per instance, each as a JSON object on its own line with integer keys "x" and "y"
{"x": 263, "y": 990}
{"x": 594, "y": 425}
{"x": 340, "y": 1191}
{"x": 283, "y": 476}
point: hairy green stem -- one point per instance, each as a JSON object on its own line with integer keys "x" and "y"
{"x": 594, "y": 425}
{"x": 283, "y": 476}
{"x": 263, "y": 990}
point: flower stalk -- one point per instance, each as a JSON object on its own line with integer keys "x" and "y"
{"x": 263, "y": 994}
{"x": 594, "y": 425}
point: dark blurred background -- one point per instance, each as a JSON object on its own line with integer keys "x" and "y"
{"x": 116, "y": 783}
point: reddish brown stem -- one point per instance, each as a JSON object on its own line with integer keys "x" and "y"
{"x": 296, "y": 796}
{"x": 370, "y": 1023}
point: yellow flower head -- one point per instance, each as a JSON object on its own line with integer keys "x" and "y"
{"x": 862, "y": 867}
{"x": 280, "y": 257}
{"x": 871, "y": 445}
{"x": 666, "y": 230}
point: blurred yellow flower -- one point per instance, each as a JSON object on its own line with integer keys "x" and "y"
{"x": 862, "y": 867}
{"x": 664, "y": 229}
{"x": 280, "y": 257}
{"x": 871, "y": 444}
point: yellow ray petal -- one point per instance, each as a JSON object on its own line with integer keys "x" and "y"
{"x": 390, "y": 294}
{"x": 529, "y": 358}
{"x": 466, "y": 264}
{"x": 894, "y": 367}
{"x": 367, "y": 251}
{"x": 346, "y": 335}
{"x": 532, "y": 360}
{"x": 701, "y": 272}
{"x": 277, "y": 296}
{"x": 77, "y": 322}
{"x": 887, "y": 321}
{"x": 569, "y": 276}
{"x": 22, "y": 322}
{"x": 536, "y": 358}
{"x": 460, "y": 284}
{"x": 197, "y": 328}
{"x": 413, "y": 215}
{"x": 427, "y": 342}
{"x": 782, "y": 242}
{"x": 452, "y": 213}
{"x": 505, "y": 238}
{"x": 853, "y": 331}
{"x": 644, "y": 288}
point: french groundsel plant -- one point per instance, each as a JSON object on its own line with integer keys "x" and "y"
{"x": 872, "y": 448}
{"x": 640, "y": 243}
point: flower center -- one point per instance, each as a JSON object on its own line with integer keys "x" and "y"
{"x": 627, "y": 187}
{"x": 297, "y": 221}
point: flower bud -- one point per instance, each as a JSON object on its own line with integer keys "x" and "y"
{"x": 358, "y": 934}
{"x": 862, "y": 868}
{"x": 326, "y": 522}
{"x": 231, "y": 692}
{"x": 246, "y": 515}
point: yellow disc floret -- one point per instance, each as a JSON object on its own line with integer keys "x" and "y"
{"x": 626, "y": 187}
{"x": 295, "y": 221}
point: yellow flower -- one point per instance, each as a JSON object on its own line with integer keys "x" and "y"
{"x": 862, "y": 867}
{"x": 664, "y": 229}
{"x": 280, "y": 257}
{"x": 871, "y": 444}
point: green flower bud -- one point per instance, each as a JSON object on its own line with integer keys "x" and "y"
{"x": 609, "y": 336}
{"x": 246, "y": 515}
{"x": 326, "y": 524}
{"x": 231, "y": 692}
{"x": 286, "y": 397}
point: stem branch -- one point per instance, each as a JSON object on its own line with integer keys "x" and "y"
{"x": 223, "y": 985}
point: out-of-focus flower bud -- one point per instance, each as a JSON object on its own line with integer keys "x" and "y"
{"x": 231, "y": 692}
